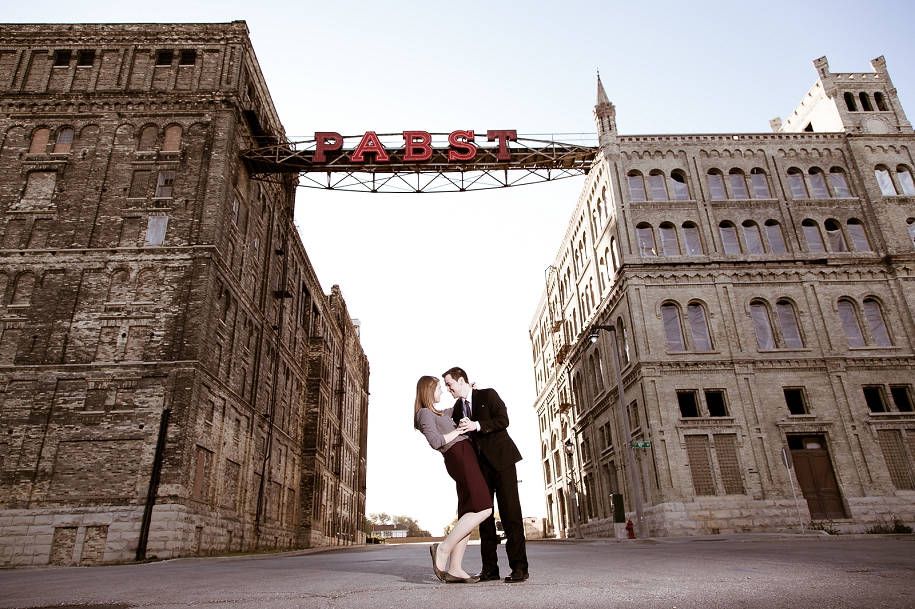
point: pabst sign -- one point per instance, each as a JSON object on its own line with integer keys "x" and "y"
{"x": 417, "y": 146}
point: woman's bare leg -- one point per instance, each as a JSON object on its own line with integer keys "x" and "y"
{"x": 456, "y": 542}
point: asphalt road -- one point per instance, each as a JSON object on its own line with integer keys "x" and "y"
{"x": 679, "y": 573}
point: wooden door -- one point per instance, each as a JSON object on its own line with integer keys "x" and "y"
{"x": 818, "y": 484}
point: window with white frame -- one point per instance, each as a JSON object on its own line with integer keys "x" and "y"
{"x": 669, "y": 243}
{"x": 885, "y": 181}
{"x": 738, "y": 182}
{"x": 760, "y": 184}
{"x": 656, "y": 183}
{"x": 839, "y": 183}
{"x": 636, "y": 186}
{"x": 164, "y": 184}
{"x": 645, "y": 236}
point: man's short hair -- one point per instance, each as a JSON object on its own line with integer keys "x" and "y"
{"x": 456, "y": 373}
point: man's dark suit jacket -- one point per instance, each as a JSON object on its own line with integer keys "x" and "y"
{"x": 494, "y": 442}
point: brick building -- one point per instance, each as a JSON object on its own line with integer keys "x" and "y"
{"x": 172, "y": 377}
{"x": 762, "y": 289}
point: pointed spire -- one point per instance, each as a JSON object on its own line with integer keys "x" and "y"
{"x": 601, "y": 94}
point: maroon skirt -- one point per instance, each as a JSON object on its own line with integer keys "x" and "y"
{"x": 472, "y": 491}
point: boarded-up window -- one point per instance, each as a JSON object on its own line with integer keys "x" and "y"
{"x": 229, "y": 494}
{"x": 130, "y": 232}
{"x": 117, "y": 288}
{"x": 103, "y": 469}
{"x": 39, "y": 188}
{"x": 22, "y": 293}
{"x": 38, "y": 238}
{"x": 94, "y": 546}
{"x": 700, "y": 464}
{"x": 147, "y": 284}
{"x": 15, "y": 231}
{"x": 155, "y": 231}
{"x": 107, "y": 344}
{"x": 172, "y": 139}
{"x": 40, "y": 141}
{"x": 62, "y": 545}
{"x": 148, "y": 138}
{"x": 136, "y": 343}
{"x": 201, "y": 474}
{"x": 9, "y": 343}
{"x": 729, "y": 464}
{"x": 897, "y": 462}
{"x": 139, "y": 185}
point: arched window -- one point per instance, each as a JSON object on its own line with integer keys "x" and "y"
{"x": 678, "y": 185}
{"x": 716, "y": 185}
{"x": 147, "y": 286}
{"x": 775, "y": 237}
{"x": 39, "y": 143}
{"x": 760, "y": 184}
{"x": 787, "y": 322}
{"x": 835, "y": 237}
{"x": 875, "y": 323}
{"x": 615, "y": 252}
{"x": 64, "y": 141}
{"x": 698, "y": 327}
{"x": 759, "y": 313}
{"x": 818, "y": 183}
{"x": 22, "y": 292}
{"x": 796, "y": 183}
{"x": 670, "y": 317}
{"x": 172, "y": 141}
{"x": 880, "y": 101}
{"x": 117, "y": 287}
{"x": 729, "y": 238}
{"x": 599, "y": 371}
{"x": 911, "y": 228}
{"x": 813, "y": 237}
{"x": 658, "y": 187}
{"x": 669, "y": 244}
{"x": 839, "y": 183}
{"x": 752, "y": 237}
{"x": 865, "y": 102}
{"x": 148, "y": 137}
{"x": 858, "y": 236}
{"x": 887, "y": 188}
{"x": 849, "y": 319}
{"x": 646, "y": 240}
{"x": 850, "y": 102}
{"x": 905, "y": 180}
{"x": 691, "y": 239}
{"x": 636, "y": 186}
{"x": 738, "y": 183}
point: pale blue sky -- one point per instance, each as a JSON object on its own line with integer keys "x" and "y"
{"x": 442, "y": 280}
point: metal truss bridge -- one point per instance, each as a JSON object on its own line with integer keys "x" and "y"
{"x": 519, "y": 162}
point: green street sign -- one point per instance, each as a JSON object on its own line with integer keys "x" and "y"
{"x": 641, "y": 445}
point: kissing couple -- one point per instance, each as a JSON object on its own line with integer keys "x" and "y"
{"x": 480, "y": 457}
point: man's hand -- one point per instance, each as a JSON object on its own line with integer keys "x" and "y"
{"x": 467, "y": 425}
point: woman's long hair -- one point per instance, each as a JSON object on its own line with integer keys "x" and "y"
{"x": 425, "y": 397}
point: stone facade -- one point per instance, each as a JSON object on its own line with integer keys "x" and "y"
{"x": 762, "y": 289}
{"x": 151, "y": 287}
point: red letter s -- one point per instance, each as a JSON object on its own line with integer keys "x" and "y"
{"x": 463, "y": 144}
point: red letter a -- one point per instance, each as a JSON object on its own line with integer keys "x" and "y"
{"x": 417, "y": 146}
{"x": 370, "y": 144}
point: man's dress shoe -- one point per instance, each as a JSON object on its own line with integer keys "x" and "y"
{"x": 488, "y": 576}
{"x": 517, "y": 576}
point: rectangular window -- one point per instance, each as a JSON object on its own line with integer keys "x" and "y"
{"x": 634, "y": 422}
{"x": 760, "y": 186}
{"x": 700, "y": 464}
{"x": 188, "y": 57}
{"x": 164, "y": 58}
{"x": 896, "y": 460}
{"x": 729, "y": 463}
{"x": 689, "y": 405}
{"x": 164, "y": 184}
{"x": 714, "y": 399}
{"x": 874, "y": 398}
{"x": 39, "y": 190}
{"x": 200, "y": 474}
{"x": 85, "y": 59}
{"x": 62, "y": 59}
{"x": 902, "y": 398}
{"x": 794, "y": 398}
{"x": 139, "y": 185}
{"x": 155, "y": 231}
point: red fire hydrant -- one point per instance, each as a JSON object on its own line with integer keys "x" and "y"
{"x": 630, "y": 530}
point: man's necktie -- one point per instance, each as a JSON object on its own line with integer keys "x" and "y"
{"x": 467, "y": 408}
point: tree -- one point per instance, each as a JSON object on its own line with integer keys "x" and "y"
{"x": 413, "y": 528}
{"x": 380, "y": 518}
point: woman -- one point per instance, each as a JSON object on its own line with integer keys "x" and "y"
{"x": 474, "y": 499}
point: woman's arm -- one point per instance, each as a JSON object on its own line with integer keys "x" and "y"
{"x": 427, "y": 425}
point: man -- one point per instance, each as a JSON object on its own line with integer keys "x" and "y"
{"x": 481, "y": 414}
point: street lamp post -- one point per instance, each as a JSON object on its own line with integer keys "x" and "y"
{"x": 574, "y": 497}
{"x": 627, "y": 433}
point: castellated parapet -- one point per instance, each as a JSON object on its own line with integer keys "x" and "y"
{"x": 142, "y": 272}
